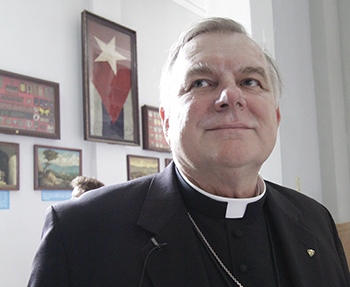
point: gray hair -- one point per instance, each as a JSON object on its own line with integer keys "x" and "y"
{"x": 210, "y": 25}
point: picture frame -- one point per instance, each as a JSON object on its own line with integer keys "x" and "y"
{"x": 110, "y": 90}
{"x": 152, "y": 130}
{"x": 29, "y": 106}
{"x": 139, "y": 166}
{"x": 56, "y": 167}
{"x": 9, "y": 166}
{"x": 167, "y": 161}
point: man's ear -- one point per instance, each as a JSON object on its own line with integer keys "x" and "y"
{"x": 278, "y": 115}
{"x": 165, "y": 123}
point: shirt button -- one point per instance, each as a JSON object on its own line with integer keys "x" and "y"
{"x": 238, "y": 233}
{"x": 243, "y": 268}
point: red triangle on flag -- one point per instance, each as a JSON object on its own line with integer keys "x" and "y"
{"x": 113, "y": 89}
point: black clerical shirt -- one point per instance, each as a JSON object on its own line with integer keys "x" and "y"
{"x": 244, "y": 245}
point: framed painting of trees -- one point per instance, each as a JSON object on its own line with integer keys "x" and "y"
{"x": 54, "y": 168}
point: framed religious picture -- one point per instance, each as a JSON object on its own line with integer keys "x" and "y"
{"x": 29, "y": 106}
{"x": 55, "y": 168}
{"x": 153, "y": 137}
{"x": 141, "y": 165}
{"x": 110, "y": 96}
{"x": 9, "y": 166}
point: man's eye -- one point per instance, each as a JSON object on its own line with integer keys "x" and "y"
{"x": 251, "y": 83}
{"x": 199, "y": 84}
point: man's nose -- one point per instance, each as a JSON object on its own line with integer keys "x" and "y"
{"x": 230, "y": 97}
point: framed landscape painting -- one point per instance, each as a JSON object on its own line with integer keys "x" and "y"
{"x": 141, "y": 165}
{"x": 110, "y": 96}
{"x": 55, "y": 168}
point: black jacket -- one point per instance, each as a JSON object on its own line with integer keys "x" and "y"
{"x": 103, "y": 238}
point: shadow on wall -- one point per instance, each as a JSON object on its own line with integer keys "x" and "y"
{"x": 344, "y": 234}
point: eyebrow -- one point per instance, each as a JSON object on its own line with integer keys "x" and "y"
{"x": 255, "y": 70}
{"x": 200, "y": 69}
{"x": 204, "y": 68}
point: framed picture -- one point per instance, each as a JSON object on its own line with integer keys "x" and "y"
{"x": 29, "y": 106}
{"x": 54, "y": 168}
{"x": 140, "y": 166}
{"x": 9, "y": 166}
{"x": 111, "y": 111}
{"x": 153, "y": 137}
{"x": 167, "y": 161}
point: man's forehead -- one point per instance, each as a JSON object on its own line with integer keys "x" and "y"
{"x": 237, "y": 39}
{"x": 245, "y": 53}
{"x": 217, "y": 42}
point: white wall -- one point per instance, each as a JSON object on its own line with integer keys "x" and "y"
{"x": 40, "y": 39}
{"x": 311, "y": 41}
{"x": 344, "y": 36}
{"x": 299, "y": 138}
{"x": 330, "y": 64}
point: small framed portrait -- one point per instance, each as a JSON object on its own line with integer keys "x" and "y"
{"x": 141, "y": 165}
{"x": 29, "y": 106}
{"x": 55, "y": 168}
{"x": 110, "y": 92}
{"x": 9, "y": 166}
{"x": 153, "y": 137}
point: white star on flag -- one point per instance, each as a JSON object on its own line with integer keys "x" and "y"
{"x": 109, "y": 54}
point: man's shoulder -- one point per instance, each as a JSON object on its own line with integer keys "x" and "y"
{"x": 289, "y": 193}
{"x": 285, "y": 196}
{"x": 124, "y": 196}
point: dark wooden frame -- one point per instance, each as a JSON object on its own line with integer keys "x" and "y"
{"x": 29, "y": 106}
{"x": 9, "y": 149}
{"x": 167, "y": 161}
{"x": 39, "y": 173}
{"x": 103, "y": 119}
{"x": 152, "y": 130}
{"x": 143, "y": 172}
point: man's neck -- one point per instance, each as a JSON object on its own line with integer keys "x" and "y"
{"x": 235, "y": 184}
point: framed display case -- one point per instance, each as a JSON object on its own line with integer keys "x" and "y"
{"x": 153, "y": 137}
{"x": 29, "y": 106}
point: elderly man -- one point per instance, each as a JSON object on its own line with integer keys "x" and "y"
{"x": 208, "y": 219}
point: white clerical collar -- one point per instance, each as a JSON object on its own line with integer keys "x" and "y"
{"x": 236, "y": 207}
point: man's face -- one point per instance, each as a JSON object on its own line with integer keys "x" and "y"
{"x": 224, "y": 114}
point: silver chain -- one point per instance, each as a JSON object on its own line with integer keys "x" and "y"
{"x": 213, "y": 252}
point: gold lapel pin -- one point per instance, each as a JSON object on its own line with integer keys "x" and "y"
{"x": 311, "y": 252}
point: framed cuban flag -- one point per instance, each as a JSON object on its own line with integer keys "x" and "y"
{"x": 110, "y": 92}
